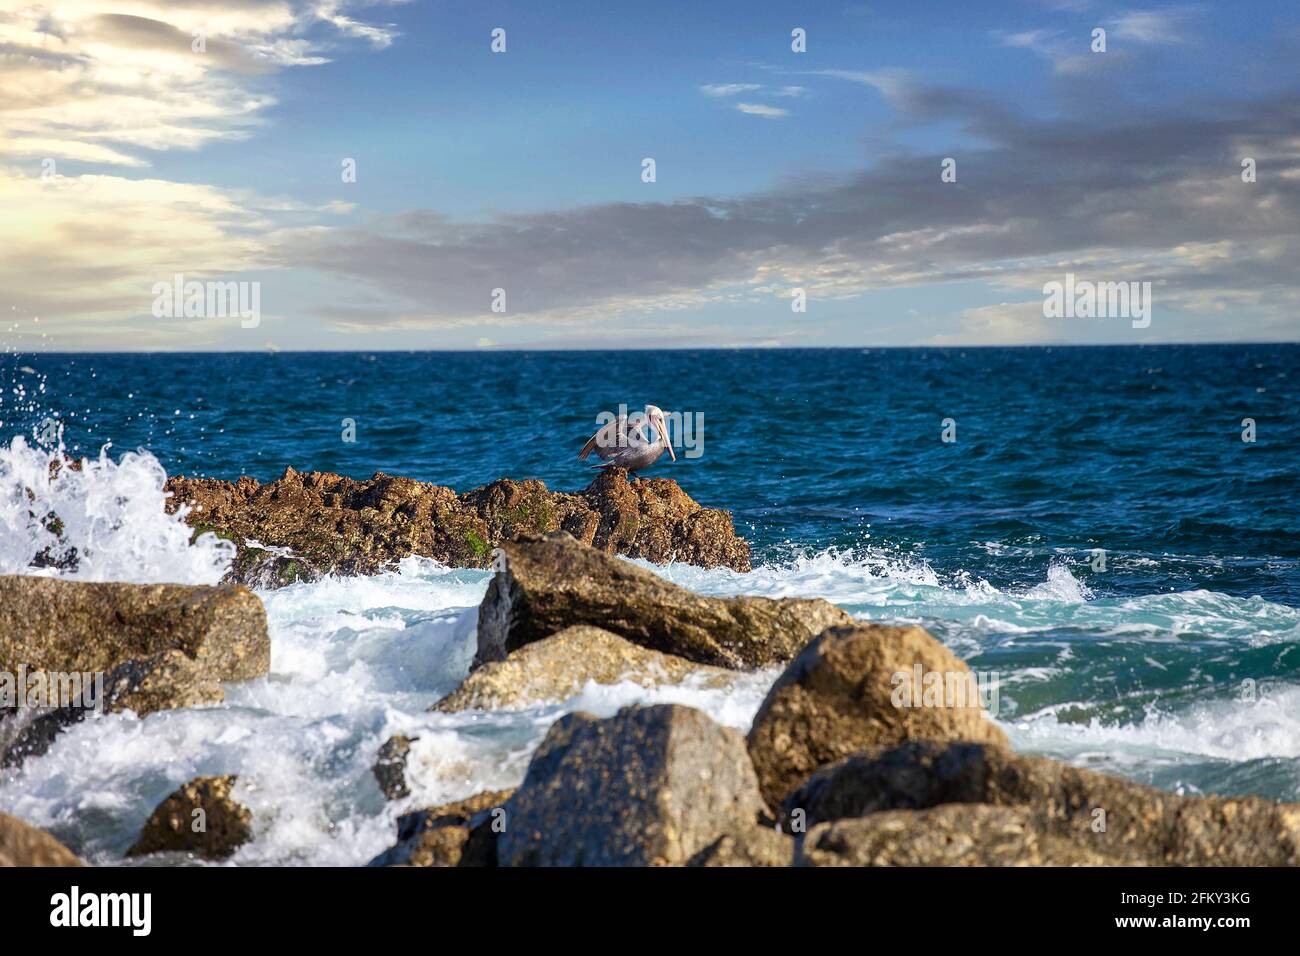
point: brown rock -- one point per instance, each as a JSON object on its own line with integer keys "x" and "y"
{"x": 331, "y": 524}
{"x": 23, "y": 845}
{"x": 754, "y": 846}
{"x": 648, "y": 786}
{"x": 56, "y": 625}
{"x": 114, "y": 647}
{"x": 176, "y": 825}
{"x": 455, "y": 834}
{"x": 1124, "y": 821}
{"x": 558, "y": 667}
{"x": 390, "y": 768}
{"x": 838, "y": 697}
{"x": 955, "y": 835}
{"x": 553, "y": 582}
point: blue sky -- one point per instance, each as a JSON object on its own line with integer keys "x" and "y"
{"x": 775, "y": 170}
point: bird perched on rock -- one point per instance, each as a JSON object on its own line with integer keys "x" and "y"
{"x": 624, "y": 443}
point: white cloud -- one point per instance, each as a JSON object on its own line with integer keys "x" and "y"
{"x": 759, "y": 109}
{"x": 99, "y": 81}
{"x": 728, "y": 89}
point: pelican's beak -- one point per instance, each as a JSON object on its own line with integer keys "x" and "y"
{"x": 668, "y": 440}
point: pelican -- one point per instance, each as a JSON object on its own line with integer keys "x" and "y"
{"x": 623, "y": 443}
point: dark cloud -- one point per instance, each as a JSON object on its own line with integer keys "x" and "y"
{"x": 1123, "y": 190}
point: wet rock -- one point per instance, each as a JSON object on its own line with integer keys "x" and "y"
{"x": 23, "y": 845}
{"x": 305, "y": 525}
{"x": 162, "y": 682}
{"x": 552, "y": 582}
{"x": 755, "y": 846}
{"x": 844, "y": 694}
{"x": 649, "y": 786}
{"x": 200, "y": 818}
{"x": 390, "y": 768}
{"x": 89, "y": 646}
{"x": 558, "y": 667}
{"x": 51, "y": 624}
{"x": 956, "y": 835}
{"x": 463, "y": 833}
{"x": 1122, "y": 820}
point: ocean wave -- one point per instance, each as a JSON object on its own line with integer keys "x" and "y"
{"x": 100, "y": 520}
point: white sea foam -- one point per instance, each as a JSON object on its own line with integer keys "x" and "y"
{"x": 109, "y": 514}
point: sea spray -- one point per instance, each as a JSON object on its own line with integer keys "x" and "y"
{"x": 98, "y": 520}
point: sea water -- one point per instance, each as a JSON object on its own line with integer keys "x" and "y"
{"x": 1175, "y": 660}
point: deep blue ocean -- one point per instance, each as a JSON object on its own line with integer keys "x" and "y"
{"x": 1177, "y": 661}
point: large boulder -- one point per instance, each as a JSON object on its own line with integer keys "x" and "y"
{"x": 852, "y": 690}
{"x": 555, "y": 581}
{"x": 648, "y": 786}
{"x": 23, "y": 845}
{"x": 463, "y": 833}
{"x": 51, "y": 624}
{"x": 1124, "y": 821}
{"x": 201, "y": 818}
{"x": 78, "y": 646}
{"x": 945, "y": 836}
{"x": 305, "y": 525}
{"x": 558, "y": 667}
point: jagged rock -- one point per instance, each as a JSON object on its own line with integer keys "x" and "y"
{"x": 24, "y": 845}
{"x": 754, "y": 846}
{"x": 971, "y": 835}
{"x": 303, "y": 526}
{"x": 839, "y": 697}
{"x": 1122, "y": 820}
{"x": 552, "y": 582}
{"x": 558, "y": 667}
{"x": 112, "y": 647}
{"x": 390, "y": 768}
{"x": 648, "y": 786}
{"x": 176, "y": 825}
{"x": 455, "y": 834}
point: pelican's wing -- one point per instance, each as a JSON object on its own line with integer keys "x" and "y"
{"x": 610, "y": 439}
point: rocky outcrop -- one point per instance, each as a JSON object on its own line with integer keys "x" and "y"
{"x": 390, "y": 768}
{"x": 201, "y": 818}
{"x": 1110, "y": 817}
{"x": 558, "y": 667}
{"x": 79, "y": 646}
{"x": 754, "y": 846}
{"x": 305, "y": 525}
{"x": 463, "y": 833}
{"x": 649, "y": 786}
{"x": 552, "y": 582}
{"x": 852, "y": 690}
{"x": 944, "y": 836}
{"x": 23, "y": 845}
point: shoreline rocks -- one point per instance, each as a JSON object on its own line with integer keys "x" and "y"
{"x": 201, "y": 818}
{"x": 558, "y": 667}
{"x": 83, "y": 646}
{"x": 303, "y": 526}
{"x": 650, "y": 786}
{"x": 462, "y": 833}
{"x": 838, "y": 698}
{"x": 1120, "y": 820}
{"x": 553, "y": 582}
